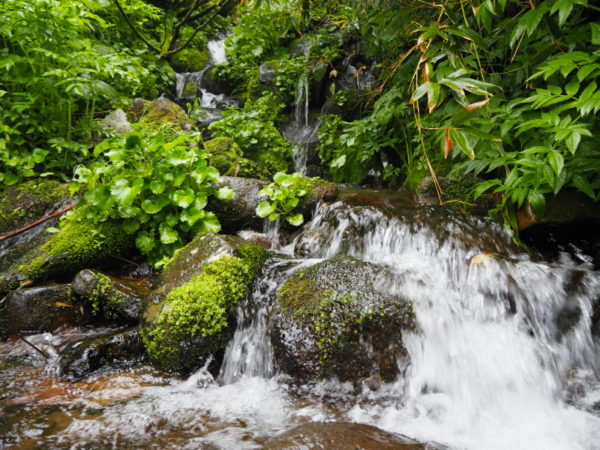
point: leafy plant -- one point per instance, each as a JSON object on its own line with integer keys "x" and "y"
{"x": 284, "y": 195}
{"x": 155, "y": 188}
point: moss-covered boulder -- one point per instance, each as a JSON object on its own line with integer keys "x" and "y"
{"x": 40, "y": 309}
{"x": 190, "y": 60}
{"x": 76, "y": 245}
{"x": 338, "y": 318}
{"x": 229, "y": 159}
{"x": 110, "y": 297}
{"x": 159, "y": 111}
{"x": 26, "y": 202}
{"x": 191, "y": 315}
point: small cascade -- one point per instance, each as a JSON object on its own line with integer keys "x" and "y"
{"x": 302, "y": 130}
{"x": 191, "y": 85}
{"x": 250, "y": 352}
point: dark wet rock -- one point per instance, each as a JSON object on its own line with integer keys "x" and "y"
{"x": 341, "y": 435}
{"x": 75, "y": 245}
{"x": 455, "y": 194}
{"x": 191, "y": 313}
{"x": 120, "y": 350}
{"x": 595, "y": 324}
{"x": 40, "y": 309}
{"x": 109, "y": 296}
{"x": 337, "y": 318}
{"x": 580, "y": 239}
{"x": 568, "y": 316}
{"x": 240, "y": 212}
{"x": 216, "y": 84}
{"x": 161, "y": 110}
{"x": 267, "y": 73}
{"x": 349, "y": 104}
{"x": 568, "y": 206}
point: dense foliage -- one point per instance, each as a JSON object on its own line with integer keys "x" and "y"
{"x": 156, "y": 188}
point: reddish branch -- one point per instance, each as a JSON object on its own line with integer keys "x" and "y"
{"x": 36, "y": 223}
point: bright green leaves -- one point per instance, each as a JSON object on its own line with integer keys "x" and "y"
{"x": 284, "y": 195}
{"x": 156, "y": 188}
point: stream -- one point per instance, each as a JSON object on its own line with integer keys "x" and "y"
{"x": 489, "y": 366}
{"x": 492, "y": 364}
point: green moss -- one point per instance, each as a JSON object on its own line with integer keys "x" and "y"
{"x": 194, "y": 317}
{"x": 104, "y": 298}
{"x": 76, "y": 244}
{"x": 228, "y": 158}
{"x": 190, "y": 89}
{"x": 190, "y": 60}
{"x": 29, "y": 201}
{"x": 316, "y": 188}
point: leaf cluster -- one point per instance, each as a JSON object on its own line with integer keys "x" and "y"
{"x": 284, "y": 196}
{"x": 155, "y": 188}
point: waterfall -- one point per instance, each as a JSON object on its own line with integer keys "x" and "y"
{"x": 488, "y": 361}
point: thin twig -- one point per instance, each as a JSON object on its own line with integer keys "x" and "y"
{"x": 36, "y": 223}
{"x": 44, "y": 354}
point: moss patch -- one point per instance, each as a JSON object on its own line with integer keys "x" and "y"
{"x": 190, "y": 60}
{"x": 195, "y": 319}
{"x": 28, "y": 201}
{"x": 75, "y": 245}
{"x": 228, "y": 158}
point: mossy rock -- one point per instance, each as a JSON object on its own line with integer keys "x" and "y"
{"x": 159, "y": 111}
{"x": 317, "y": 190}
{"x": 197, "y": 318}
{"x": 110, "y": 297}
{"x": 190, "y": 60}
{"x": 337, "y": 319}
{"x": 190, "y": 89}
{"x": 28, "y": 201}
{"x": 228, "y": 158}
{"x": 40, "y": 309}
{"x": 76, "y": 245}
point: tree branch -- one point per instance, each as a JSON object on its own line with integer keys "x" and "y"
{"x": 134, "y": 29}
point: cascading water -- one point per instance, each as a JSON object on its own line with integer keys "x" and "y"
{"x": 482, "y": 375}
{"x": 211, "y": 103}
{"x": 493, "y": 362}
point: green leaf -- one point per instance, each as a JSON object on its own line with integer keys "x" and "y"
{"x": 264, "y": 209}
{"x": 295, "y": 220}
{"x": 556, "y": 161}
{"x": 420, "y": 91}
{"x": 157, "y": 186}
{"x": 167, "y": 234}
{"x": 537, "y": 201}
{"x": 595, "y": 33}
{"x": 144, "y": 241}
{"x": 210, "y": 224}
{"x": 183, "y": 197}
{"x": 463, "y": 142}
{"x": 130, "y": 226}
{"x": 39, "y": 155}
{"x": 225, "y": 193}
{"x": 153, "y": 205}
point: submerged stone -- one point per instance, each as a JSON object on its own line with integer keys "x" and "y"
{"x": 338, "y": 318}
{"x": 341, "y": 435}
{"x": 191, "y": 314}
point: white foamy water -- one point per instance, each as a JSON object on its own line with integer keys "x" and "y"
{"x": 481, "y": 376}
